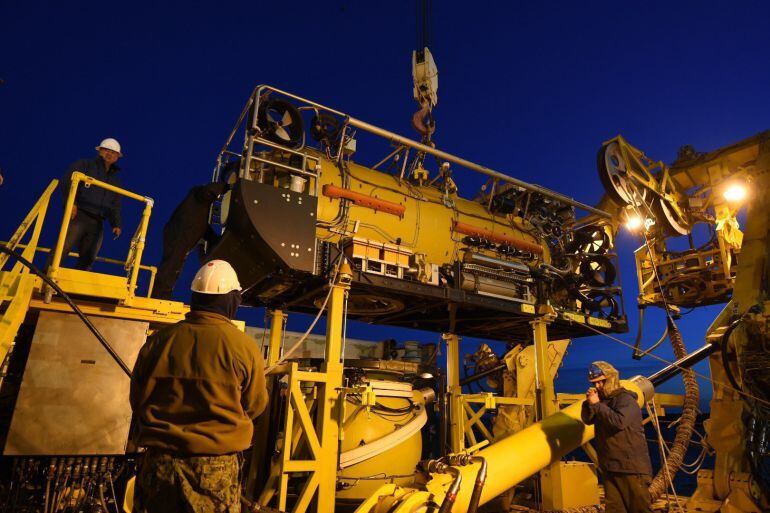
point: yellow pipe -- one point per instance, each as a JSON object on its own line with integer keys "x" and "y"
{"x": 65, "y": 223}
{"x": 140, "y": 242}
{"x": 523, "y": 454}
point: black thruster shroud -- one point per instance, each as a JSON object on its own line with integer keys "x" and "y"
{"x": 269, "y": 238}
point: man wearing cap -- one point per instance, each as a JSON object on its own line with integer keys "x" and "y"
{"x": 93, "y": 204}
{"x": 196, "y": 388}
{"x": 620, "y": 442}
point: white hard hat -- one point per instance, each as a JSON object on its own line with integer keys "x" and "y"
{"x": 110, "y": 144}
{"x": 215, "y": 277}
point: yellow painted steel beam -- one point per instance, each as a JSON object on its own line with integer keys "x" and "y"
{"x": 137, "y": 246}
{"x": 277, "y": 325}
{"x": 456, "y": 413}
{"x": 329, "y": 408}
{"x": 551, "y": 477}
{"x": 159, "y": 315}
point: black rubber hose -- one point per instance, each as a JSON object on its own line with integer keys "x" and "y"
{"x": 32, "y": 267}
{"x": 451, "y": 493}
{"x": 478, "y": 486}
{"x": 686, "y": 424}
{"x": 638, "y": 352}
{"x": 725, "y": 363}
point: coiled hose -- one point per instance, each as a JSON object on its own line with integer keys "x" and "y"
{"x": 686, "y": 424}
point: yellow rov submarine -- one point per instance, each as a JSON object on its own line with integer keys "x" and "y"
{"x": 422, "y": 256}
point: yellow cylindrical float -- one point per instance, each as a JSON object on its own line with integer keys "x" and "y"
{"x": 377, "y": 444}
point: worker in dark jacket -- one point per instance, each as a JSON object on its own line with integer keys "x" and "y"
{"x": 188, "y": 224}
{"x": 196, "y": 388}
{"x": 93, "y": 204}
{"x": 620, "y": 442}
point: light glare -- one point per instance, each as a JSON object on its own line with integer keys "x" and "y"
{"x": 735, "y": 192}
{"x": 633, "y": 223}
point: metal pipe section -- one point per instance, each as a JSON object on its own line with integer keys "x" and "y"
{"x": 482, "y": 374}
{"x": 684, "y": 363}
{"x": 401, "y": 140}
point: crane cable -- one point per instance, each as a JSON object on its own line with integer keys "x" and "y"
{"x": 689, "y": 415}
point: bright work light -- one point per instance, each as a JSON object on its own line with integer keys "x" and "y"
{"x": 735, "y": 192}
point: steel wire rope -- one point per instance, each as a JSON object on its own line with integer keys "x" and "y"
{"x": 699, "y": 459}
{"x": 654, "y": 266}
{"x": 691, "y": 396}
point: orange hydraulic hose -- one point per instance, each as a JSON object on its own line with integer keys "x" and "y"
{"x": 376, "y": 204}
{"x": 467, "y": 229}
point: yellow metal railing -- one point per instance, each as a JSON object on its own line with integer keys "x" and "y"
{"x": 133, "y": 261}
{"x": 35, "y": 216}
{"x": 151, "y": 269}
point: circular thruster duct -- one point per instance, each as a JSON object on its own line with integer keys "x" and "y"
{"x": 598, "y": 271}
{"x": 281, "y": 123}
{"x": 590, "y": 239}
{"x": 601, "y": 305}
{"x": 616, "y": 176}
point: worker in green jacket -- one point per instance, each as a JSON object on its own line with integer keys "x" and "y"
{"x": 196, "y": 388}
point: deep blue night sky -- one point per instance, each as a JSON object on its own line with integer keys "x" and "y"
{"x": 531, "y": 89}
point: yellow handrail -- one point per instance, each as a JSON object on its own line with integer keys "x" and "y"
{"x": 142, "y": 267}
{"x": 36, "y": 215}
{"x": 137, "y": 248}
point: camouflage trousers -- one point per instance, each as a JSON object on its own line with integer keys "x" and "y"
{"x": 193, "y": 484}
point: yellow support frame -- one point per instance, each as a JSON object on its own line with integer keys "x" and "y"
{"x": 277, "y": 330}
{"x": 322, "y": 431}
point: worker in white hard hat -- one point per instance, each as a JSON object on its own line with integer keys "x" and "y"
{"x": 196, "y": 388}
{"x": 93, "y": 205}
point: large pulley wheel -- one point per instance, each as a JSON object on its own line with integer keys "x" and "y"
{"x": 281, "y": 123}
{"x": 672, "y": 218}
{"x": 616, "y": 176}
